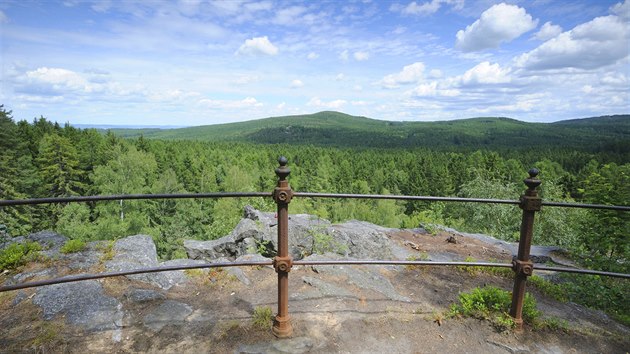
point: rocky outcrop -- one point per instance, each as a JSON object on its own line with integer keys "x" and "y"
{"x": 308, "y": 234}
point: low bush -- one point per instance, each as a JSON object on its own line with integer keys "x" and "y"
{"x": 17, "y": 254}
{"x": 72, "y": 246}
{"x": 492, "y": 303}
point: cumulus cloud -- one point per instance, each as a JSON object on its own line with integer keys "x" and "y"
{"x": 486, "y": 73}
{"x": 56, "y": 80}
{"x": 312, "y": 56}
{"x": 433, "y": 89}
{"x": 548, "y": 31}
{"x": 230, "y": 104}
{"x": 361, "y": 56}
{"x": 317, "y": 102}
{"x": 289, "y": 16}
{"x": 410, "y": 74}
{"x": 296, "y": 83}
{"x": 500, "y": 23}
{"x": 594, "y": 44}
{"x": 257, "y": 46}
{"x": 621, "y": 9}
{"x": 425, "y": 8}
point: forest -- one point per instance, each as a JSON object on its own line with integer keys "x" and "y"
{"x": 44, "y": 159}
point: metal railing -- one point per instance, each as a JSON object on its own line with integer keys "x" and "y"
{"x": 522, "y": 266}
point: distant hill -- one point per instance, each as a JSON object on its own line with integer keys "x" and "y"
{"x": 342, "y": 130}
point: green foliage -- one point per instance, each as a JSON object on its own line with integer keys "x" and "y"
{"x": 72, "y": 246}
{"x": 262, "y": 317}
{"x": 324, "y": 242}
{"x": 492, "y": 303}
{"x": 17, "y": 254}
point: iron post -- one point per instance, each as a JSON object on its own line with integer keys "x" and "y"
{"x": 523, "y": 267}
{"x": 282, "y": 194}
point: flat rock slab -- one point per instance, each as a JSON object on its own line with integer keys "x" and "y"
{"x": 145, "y": 295}
{"x": 170, "y": 312}
{"x": 366, "y": 277}
{"x": 296, "y": 345}
{"x": 82, "y": 303}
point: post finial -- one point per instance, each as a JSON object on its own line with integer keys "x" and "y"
{"x": 532, "y": 182}
{"x": 283, "y": 171}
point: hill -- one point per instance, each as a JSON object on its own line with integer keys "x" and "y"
{"x": 343, "y": 130}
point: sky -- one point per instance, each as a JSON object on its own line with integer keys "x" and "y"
{"x": 199, "y": 62}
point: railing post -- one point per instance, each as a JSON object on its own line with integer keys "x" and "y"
{"x": 282, "y": 262}
{"x": 522, "y": 265}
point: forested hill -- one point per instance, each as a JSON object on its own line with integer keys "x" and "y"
{"x": 328, "y": 128}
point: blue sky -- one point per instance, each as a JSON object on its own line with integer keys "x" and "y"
{"x": 203, "y": 62}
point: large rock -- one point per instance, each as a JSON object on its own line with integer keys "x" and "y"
{"x": 50, "y": 242}
{"x": 136, "y": 252}
{"x": 81, "y": 303}
{"x": 169, "y": 312}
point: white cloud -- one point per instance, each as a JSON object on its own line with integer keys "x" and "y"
{"x": 58, "y": 80}
{"x": 296, "y": 84}
{"x": 425, "y": 8}
{"x": 246, "y": 79}
{"x": 500, "y": 23}
{"x": 410, "y": 74}
{"x": 594, "y": 44}
{"x": 435, "y": 73}
{"x": 258, "y": 46}
{"x": 548, "y": 31}
{"x": 230, "y": 104}
{"x": 312, "y": 56}
{"x": 102, "y": 5}
{"x": 340, "y": 77}
{"x": 621, "y": 9}
{"x": 361, "y": 56}
{"x": 317, "y": 102}
{"x": 486, "y": 73}
{"x": 3, "y": 17}
{"x": 433, "y": 89}
{"x": 289, "y": 16}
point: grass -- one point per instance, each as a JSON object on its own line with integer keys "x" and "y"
{"x": 262, "y": 317}
{"x": 17, "y": 254}
{"x": 73, "y": 246}
{"x": 492, "y": 303}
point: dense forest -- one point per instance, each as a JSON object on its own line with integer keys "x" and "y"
{"x": 44, "y": 159}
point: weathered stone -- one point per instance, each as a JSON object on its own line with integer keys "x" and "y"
{"x": 85, "y": 259}
{"x": 327, "y": 289}
{"x": 51, "y": 242}
{"x": 365, "y": 277}
{"x": 82, "y": 303}
{"x": 170, "y": 312}
{"x": 145, "y": 295}
{"x": 179, "y": 277}
{"x": 135, "y": 252}
{"x": 295, "y": 345}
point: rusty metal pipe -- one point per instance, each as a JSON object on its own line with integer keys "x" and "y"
{"x": 80, "y": 277}
{"x": 522, "y": 265}
{"x": 282, "y": 262}
{"x": 95, "y": 198}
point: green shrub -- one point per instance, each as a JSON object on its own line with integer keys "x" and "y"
{"x": 17, "y": 254}
{"x": 72, "y": 246}
{"x": 262, "y": 317}
{"x": 492, "y": 303}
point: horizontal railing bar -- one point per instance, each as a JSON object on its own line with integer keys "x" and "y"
{"x": 587, "y": 206}
{"x": 35, "y": 201}
{"x": 94, "y": 198}
{"x": 464, "y": 264}
{"x": 383, "y": 262}
{"x": 583, "y": 271}
{"x": 404, "y": 197}
{"x": 80, "y": 277}
{"x": 457, "y": 199}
